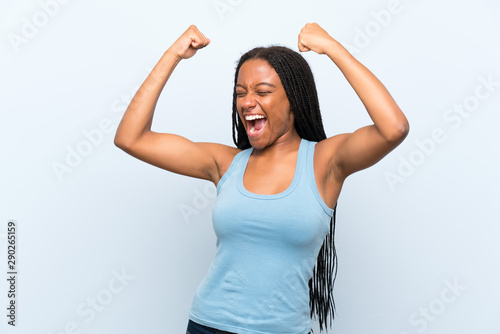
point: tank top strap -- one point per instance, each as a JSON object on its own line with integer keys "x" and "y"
{"x": 298, "y": 177}
{"x": 311, "y": 177}
{"x": 303, "y": 176}
{"x": 302, "y": 160}
{"x": 237, "y": 166}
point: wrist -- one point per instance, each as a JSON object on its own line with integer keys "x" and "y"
{"x": 336, "y": 52}
{"x": 172, "y": 56}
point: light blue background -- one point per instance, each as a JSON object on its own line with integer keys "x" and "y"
{"x": 400, "y": 246}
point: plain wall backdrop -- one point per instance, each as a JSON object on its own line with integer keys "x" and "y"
{"x": 109, "y": 244}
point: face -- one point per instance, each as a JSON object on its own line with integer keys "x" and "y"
{"x": 262, "y": 104}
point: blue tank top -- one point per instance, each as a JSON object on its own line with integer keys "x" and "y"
{"x": 267, "y": 246}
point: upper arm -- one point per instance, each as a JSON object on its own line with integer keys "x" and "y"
{"x": 180, "y": 155}
{"x": 352, "y": 152}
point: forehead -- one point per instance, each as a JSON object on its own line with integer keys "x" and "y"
{"x": 254, "y": 71}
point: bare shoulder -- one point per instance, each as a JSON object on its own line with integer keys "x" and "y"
{"x": 324, "y": 154}
{"x": 328, "y": 145}
{"x": 223, "y": 156}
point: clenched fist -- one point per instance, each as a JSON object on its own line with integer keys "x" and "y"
{"x": 188, "y": 43}
{"x": 313, "y": 37}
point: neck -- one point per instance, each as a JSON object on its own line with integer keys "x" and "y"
{"x": 282, "y": 146}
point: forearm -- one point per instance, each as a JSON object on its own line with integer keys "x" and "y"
{"x": 383, "y": 110}
{"x": 138, "y": 117}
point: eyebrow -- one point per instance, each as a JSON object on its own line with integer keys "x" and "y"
{"x": 259, "y": 84}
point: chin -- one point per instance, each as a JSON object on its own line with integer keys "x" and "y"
{"x": 257, "y": 144}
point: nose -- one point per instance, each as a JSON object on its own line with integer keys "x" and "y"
{"x": 248, "y": 102}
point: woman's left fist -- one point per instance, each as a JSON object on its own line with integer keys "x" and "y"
{"x": 313, "y": 37}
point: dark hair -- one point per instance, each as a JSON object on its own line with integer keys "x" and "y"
{"x": 298, "y": 81}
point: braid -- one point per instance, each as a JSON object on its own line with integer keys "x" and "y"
{"x": 321, "y": 284}
{"x": 298, "y": 81}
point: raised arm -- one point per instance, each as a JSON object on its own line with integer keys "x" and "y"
{"x": 348, "y": 153}
{"x": 169, "y": 151}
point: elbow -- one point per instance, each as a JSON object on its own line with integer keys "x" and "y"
{"x": 399, "y": 132}
{"x": 122, "y": 142}
{"x": 127, "y": 142}
{"x": 118, "y": 142}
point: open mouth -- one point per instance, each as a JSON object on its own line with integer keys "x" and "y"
{"x": 255, "y": 124}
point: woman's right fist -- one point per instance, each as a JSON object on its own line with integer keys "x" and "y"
{"x": 188, "y": 43}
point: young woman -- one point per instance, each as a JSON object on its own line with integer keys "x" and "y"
{"x": 277, "y": 189}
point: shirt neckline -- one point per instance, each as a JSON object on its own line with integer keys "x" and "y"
{"x": 291, "y": 187}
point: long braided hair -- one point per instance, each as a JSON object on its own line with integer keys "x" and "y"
{"x": 298, "y": 81}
